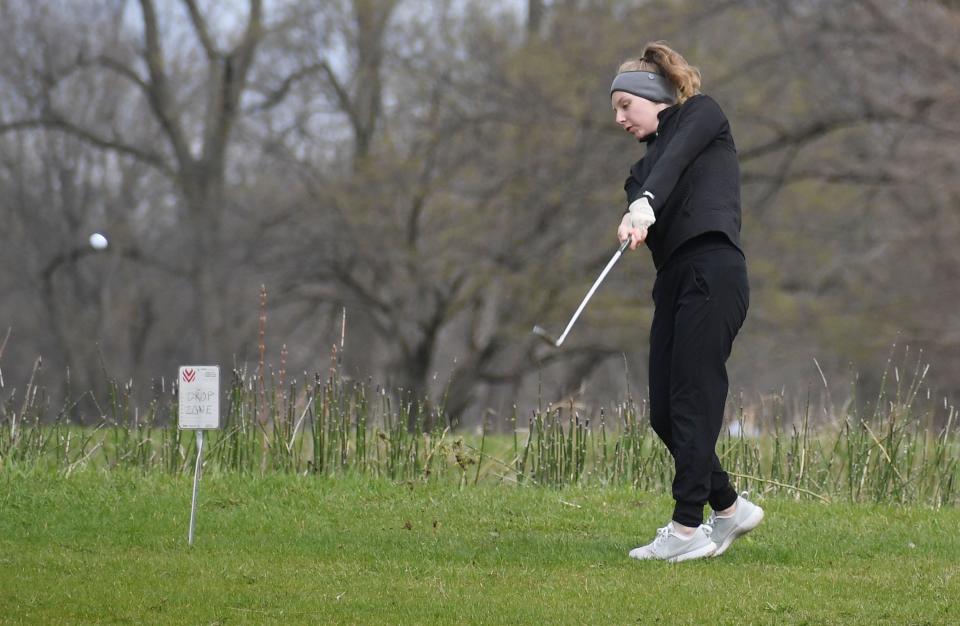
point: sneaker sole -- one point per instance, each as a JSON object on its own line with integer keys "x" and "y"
{"x": 749, "y": 524}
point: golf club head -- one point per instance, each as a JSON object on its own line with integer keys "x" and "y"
{"x": 541, "y": 332}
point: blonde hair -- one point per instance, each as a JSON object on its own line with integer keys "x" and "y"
{"x": 660, "y": 58}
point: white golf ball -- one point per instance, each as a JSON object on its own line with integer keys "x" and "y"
{"x": 98, "y": 241}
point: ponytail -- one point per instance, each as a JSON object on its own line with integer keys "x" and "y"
{"x": 660, "y": 58}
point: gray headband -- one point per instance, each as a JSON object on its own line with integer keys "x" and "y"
{"x": 653, "y": 87}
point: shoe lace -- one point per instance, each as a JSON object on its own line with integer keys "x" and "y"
{"x": 662, "y": 534}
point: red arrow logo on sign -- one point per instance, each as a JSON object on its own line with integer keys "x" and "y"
{"x": 189, "y": 375}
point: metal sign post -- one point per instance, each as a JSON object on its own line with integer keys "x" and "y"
{"x": 199, "y": 410}
{"x": 196, "y": 486}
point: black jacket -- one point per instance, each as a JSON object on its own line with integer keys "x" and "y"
{"x": 691, "y": 175}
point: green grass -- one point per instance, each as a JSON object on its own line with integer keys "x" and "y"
{"x": 900, "y": 448}
{"x": 899, "y": 454}
{"x": 111, "y": 547}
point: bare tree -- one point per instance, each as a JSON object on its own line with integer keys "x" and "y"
{"x": 194, "y": 152}
{"x": 450, "y": 174}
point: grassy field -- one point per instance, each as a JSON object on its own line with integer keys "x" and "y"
{"x": 112, "y": 548}
{"x": 900, "y": 447}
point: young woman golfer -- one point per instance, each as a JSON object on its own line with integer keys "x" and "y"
{"x": 683, "y": 200}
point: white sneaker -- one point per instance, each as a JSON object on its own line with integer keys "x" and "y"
{"x": 671, "y": 547}
{"x": 745, "y": 518}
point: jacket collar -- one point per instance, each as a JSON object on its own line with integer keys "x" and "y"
{"x": 662, "y": 117}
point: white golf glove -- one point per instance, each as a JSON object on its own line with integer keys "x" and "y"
{"x": 641, "y": 213}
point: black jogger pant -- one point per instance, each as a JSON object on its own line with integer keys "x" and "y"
{"x": 700, "y": 301}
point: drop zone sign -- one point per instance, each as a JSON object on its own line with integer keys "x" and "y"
{"x": 199, "y": 406}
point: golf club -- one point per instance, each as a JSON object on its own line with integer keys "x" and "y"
{"x": 539, "y": 331}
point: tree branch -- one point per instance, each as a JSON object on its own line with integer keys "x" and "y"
{"x": 158, "y": 94}
{"x": 232, "y": 80}
{"x": 277, "y": 96}
{"x": 813, "y": 131}
{"x": 123, "y": 70}
{"x": 203, "y": 34}
{"x": 828, "y": 176}
{"x": 346, "y": 104}
{"x": 57, "y": 122}
{"x": 919, "y": 42}
{"x": 245, "y": 53}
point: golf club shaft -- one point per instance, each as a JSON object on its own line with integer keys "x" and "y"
{"x": 603, "y": 274}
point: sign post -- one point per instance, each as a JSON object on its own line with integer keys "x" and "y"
{"x": 199, "y": 410}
